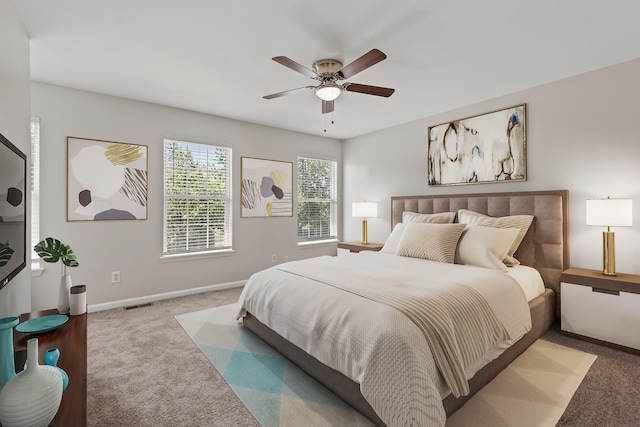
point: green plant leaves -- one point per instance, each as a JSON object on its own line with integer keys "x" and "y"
{"x": 5, "y": 253}
{"x": 53, "y": 250}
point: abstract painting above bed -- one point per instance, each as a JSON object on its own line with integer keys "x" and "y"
{"x": 485, "y": 148}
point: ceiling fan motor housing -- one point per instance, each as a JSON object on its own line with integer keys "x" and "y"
{"x": 327, "y": 67}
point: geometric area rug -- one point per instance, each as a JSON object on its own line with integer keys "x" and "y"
{"x": 274, "y": 390}
{"x": 533, "y": 391}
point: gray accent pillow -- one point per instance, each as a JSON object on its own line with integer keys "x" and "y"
{"x": 436, "y": 218}
{"x": 435, "y": 242}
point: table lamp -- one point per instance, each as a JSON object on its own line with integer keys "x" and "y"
{"x": 364, "y": 210}
{"x": 609, "y": 213}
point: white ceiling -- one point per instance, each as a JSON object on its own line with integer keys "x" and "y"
{"x": 214, "y": 56}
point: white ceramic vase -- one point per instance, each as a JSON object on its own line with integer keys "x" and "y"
{"x": 32, "y": 397}
{"x": 63, "y": 295}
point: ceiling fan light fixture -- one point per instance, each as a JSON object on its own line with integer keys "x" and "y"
{"x": 328, "y": 72}
{"x": 328, "y": 92}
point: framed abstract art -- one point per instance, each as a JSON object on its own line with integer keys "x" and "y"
{"x": 267, "y": 188}
{"x": 106, "y": 180}
{"x": 486, "y": 148}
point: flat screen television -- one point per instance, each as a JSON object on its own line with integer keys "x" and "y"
{"x": 13, "y": 224}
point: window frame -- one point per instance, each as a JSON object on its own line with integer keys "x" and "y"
{"x": 212, "y": 249}
{"x": 333, "y": 198}
{"x": 34, "y": 193}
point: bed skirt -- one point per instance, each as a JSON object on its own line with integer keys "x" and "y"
{"x": 542, "y": 317}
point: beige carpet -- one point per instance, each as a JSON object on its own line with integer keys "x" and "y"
{"x": 143, "y": 370}
{"x": 533, "y": 391}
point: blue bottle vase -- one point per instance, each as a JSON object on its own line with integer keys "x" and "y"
{"x": 51, "y": 357}
{"x": 7, "y": 361}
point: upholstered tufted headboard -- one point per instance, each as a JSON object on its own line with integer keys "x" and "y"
{"x": 545, "y": 246}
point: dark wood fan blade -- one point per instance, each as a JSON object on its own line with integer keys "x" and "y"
{"x": 327, "y": 107}
{"x": 365, "y": 61}
{"x": 286, "y": 92}
{"x": 369, "y": 90}
{"x": 289, "y": 63}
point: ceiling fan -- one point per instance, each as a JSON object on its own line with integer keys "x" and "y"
{"x": 329, "y": 71}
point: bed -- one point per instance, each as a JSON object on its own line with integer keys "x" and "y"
{"x": 544, "y": 247}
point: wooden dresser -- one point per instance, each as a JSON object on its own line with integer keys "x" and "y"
{"x": 71, "y": 339}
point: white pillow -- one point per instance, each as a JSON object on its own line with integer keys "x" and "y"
{"x": 435, "y": 242}
{"x": 521, "y": 222}
{"x": 392, "y": 242}
{"x": 436, "y": 218}
{"x": 485, "y": 246}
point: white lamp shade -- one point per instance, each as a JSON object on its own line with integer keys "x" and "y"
{"x": 328, "y": 92}
{"x": 609, "y": 212}
{"x": 364, "y": 209}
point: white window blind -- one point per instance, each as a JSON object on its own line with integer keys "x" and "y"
{"x": 317, "y": 199}
{"x": 35, "y": 186}
{"x": 197, "y": 197}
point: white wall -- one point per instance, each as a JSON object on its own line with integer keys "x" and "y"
{"x": 14, "y": 125}
{"x": 134, "y": 247}
{"x": 582, "y": 135}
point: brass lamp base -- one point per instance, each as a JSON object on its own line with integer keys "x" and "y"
{"x": 608, "y": 253}
{"x": 365, "y": 232}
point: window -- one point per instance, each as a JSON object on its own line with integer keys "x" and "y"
{"x": 317, "y": 200}
{"x": 35, "y": 188}
{"x": 197, "y": 198}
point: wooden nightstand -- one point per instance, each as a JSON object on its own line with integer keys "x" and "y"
{"x": 357, "y": 246}
{"x": 601, "y": 309}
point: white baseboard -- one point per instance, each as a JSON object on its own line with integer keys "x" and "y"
{"x": 157, "y": 297}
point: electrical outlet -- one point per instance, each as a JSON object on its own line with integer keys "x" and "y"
{"x": 274, "y": 258}
{"x": 115, "y": 277}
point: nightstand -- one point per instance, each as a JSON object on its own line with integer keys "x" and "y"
{"x": 601, "y": 309}
{"x": 357, "y": 246}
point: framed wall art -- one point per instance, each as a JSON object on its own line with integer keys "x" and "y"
{"x": 267, "y": 188}
{"x": 106, "y": 180}
{"x": 486, "y": 148}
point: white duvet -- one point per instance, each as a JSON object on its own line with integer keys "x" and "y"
{"x": 373, "y": 344}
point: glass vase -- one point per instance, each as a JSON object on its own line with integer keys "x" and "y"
{"x": 51, "y": 357}
{"x": 7, "y": 361}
